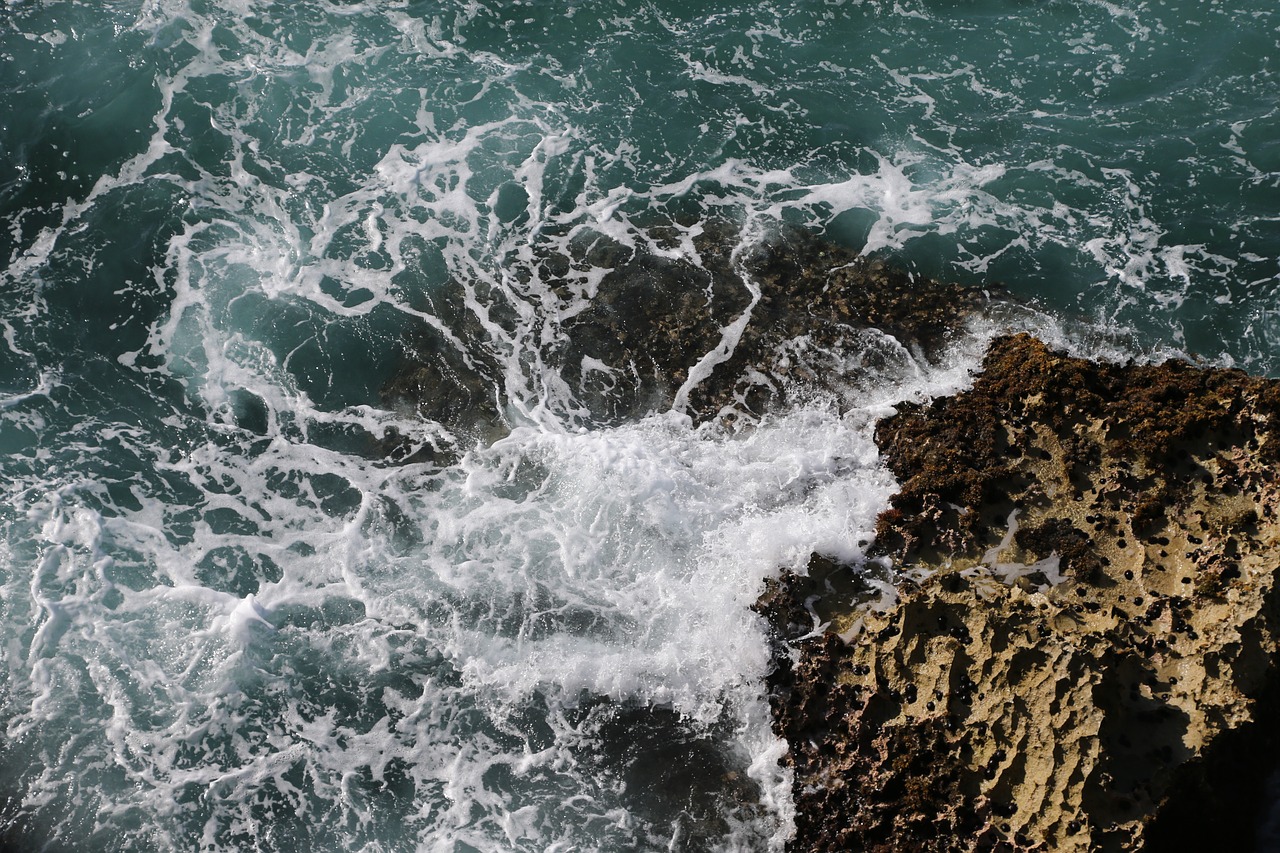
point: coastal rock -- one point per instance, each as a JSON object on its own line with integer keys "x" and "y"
{"x": 1087, "y": 657}
{"x": 447, "y": 379}
{"x": 668, "y": 309}
{"x": 623, "y": 327}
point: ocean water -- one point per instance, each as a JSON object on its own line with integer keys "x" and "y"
{"x": 229, "y": 622}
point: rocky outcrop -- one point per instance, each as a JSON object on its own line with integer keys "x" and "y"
{"x": 1086, "y": 658}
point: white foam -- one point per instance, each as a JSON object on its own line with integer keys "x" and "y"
{"x": 227, "y": 619}
{"x": 619, "y": 562}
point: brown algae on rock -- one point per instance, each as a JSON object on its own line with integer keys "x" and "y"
{"x": 1089, "y": 662}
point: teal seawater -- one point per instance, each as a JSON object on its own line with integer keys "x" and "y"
{"x": 228, "y": 624}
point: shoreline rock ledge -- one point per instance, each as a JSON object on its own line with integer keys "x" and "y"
{"x": 1086, "y": 658}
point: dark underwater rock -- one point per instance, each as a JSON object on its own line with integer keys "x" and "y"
{"x": 823, "y": 312}
{"x": 674, "y": 775}
{"x": 1088, "y": 660}
{"x": 450, "y": 375}
{"x": 625, "y": 326}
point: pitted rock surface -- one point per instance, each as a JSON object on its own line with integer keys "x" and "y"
{"x": 1089, "y": 662}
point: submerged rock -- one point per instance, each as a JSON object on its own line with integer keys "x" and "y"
{"x": 622, "y": 328}
{"x": 448, "y": 377}
{"x": 1088, "y": 660}
{"x": 822, "y": 312}
{"x": 674, "y": 776}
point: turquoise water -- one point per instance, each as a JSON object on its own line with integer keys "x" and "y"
{"x": 228, "y": 623}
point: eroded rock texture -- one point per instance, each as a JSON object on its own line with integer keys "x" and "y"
{"x": 1090, "y": 662}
